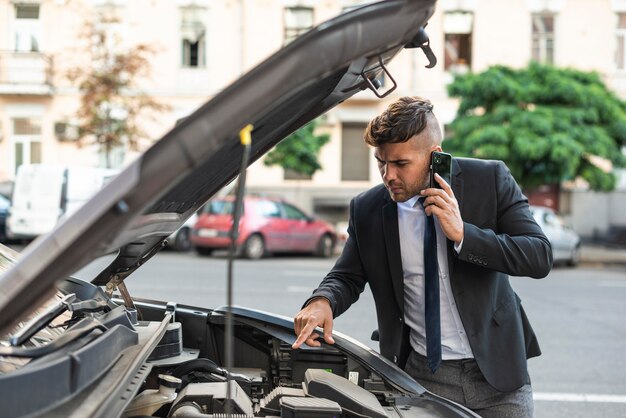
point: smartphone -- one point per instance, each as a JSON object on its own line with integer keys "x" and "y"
{"x": 440, "y": 163}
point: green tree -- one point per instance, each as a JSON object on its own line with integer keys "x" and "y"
{"x": 547, "y": 124}
{"x": 111, "y": 104}
{"x": 299, "y": 151}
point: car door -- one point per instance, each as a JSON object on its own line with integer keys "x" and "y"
{"x": 302, "y": 232}
{"x": 273, "y": 226}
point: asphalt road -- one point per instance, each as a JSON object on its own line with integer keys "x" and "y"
{"x": 578, "y": 314}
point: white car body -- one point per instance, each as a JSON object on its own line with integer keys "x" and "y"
{"x": 43, "y": 194}
{"x": 565, "y": 241}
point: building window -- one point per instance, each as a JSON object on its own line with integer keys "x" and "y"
{"x": 27, "y": 28}
{"x": 109, "y": 26}
{"x": 458, "y": 41}
{"x": 355, "y": 154}
{"x": 297, "y": 20}
{"x": 27, "y": 141}
{"x": 193, "y": 33}
{"x": 620, "y": 33}
{"x": 543, "y": 38}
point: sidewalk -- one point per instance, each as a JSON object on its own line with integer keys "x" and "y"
{"x": 597, "y": 254}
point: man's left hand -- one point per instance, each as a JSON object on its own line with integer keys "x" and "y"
{"x": 443, "y": 204}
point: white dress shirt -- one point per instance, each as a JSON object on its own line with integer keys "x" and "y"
{"x": 411, "y": 225}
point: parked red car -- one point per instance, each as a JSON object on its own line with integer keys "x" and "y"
{"x": 267, "y": 225}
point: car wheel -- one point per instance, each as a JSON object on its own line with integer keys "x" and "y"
{"x": 575, "y": 259}
{"x": 325, "y": 246}
{"x": 183, "y": 240}
{"x": 204, "y": 250}
{"x": 254, "y": 247}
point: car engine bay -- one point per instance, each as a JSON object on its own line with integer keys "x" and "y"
{"x": 86, "y": 354}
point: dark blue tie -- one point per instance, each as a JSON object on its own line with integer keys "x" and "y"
{"x": 431, "y": 294}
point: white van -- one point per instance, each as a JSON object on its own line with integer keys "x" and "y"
{"x": 44, "y": 193}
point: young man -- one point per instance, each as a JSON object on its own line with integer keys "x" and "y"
{"x": 480, "y": 337}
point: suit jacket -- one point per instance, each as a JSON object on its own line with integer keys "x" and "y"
{"x": 501, "y": 238}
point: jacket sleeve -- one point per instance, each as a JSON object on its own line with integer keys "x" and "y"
{"x": 346, "y": 280}
{"x": 513, "y": 242}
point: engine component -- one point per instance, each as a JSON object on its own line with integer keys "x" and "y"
{"x": 289, "y": 366}
{"x": 191, "y": 410}
{"x": 352, "y": 398}
{"x": 270, "y": 405}
{"x": 150, "y": 400}
{"x": 308, "y": 408}
{"x": 330, "y": 360}
{"x": 170, "y": 345}
{"x": 211, "y": 398}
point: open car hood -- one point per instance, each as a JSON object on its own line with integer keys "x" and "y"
{"x": 154, "y": 195}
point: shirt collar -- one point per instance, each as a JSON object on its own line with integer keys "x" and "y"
{"x": 411, "y": 202}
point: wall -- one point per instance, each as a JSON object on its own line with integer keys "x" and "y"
{"x": 595, "y": 214}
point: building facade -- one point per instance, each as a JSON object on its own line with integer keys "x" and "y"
{"x": 203, "y": 45}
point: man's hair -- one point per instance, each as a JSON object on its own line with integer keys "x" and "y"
{"x": 403, "y": 119}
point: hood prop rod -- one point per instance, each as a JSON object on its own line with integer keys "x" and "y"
{"x": 245, "y": 137}
{"x": 116, "y": 280}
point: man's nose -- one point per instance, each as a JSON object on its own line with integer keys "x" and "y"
{"x": 388, "y": 173}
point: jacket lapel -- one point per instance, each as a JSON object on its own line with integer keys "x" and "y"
{"x": 392, "y": 244}
{"x": 457, "y": 189}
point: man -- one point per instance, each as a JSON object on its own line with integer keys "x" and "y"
{"x": 480, "y": 336}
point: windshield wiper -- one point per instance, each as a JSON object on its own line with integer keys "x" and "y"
{"x": 87, "y": 326}
{"x": 66, "y": 303}
{"x": 41, "y": 321}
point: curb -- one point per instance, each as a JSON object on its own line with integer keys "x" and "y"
{"x": 598, "y": 255}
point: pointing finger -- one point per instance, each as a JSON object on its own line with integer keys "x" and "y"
{"x": 328, "y": 331}
{"x": 304, "y": 334}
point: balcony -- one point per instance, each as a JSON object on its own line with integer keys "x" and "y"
{"x": 25, "y": 73}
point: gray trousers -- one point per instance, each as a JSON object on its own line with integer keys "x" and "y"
{"x": 461, "y": 381}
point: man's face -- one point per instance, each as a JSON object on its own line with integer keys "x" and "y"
{"x": 404, "y": 166}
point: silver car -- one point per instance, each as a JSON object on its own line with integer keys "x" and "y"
{"x": 565, "y": 241}
{"x": 180, "y": 240}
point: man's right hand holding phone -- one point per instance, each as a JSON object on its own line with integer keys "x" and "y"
{"x": 443, "y": 204}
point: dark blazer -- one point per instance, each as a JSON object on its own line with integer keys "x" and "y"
{"x": 501, "y": 238}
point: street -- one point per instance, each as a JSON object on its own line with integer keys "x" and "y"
{"x": 578, "y": 315}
